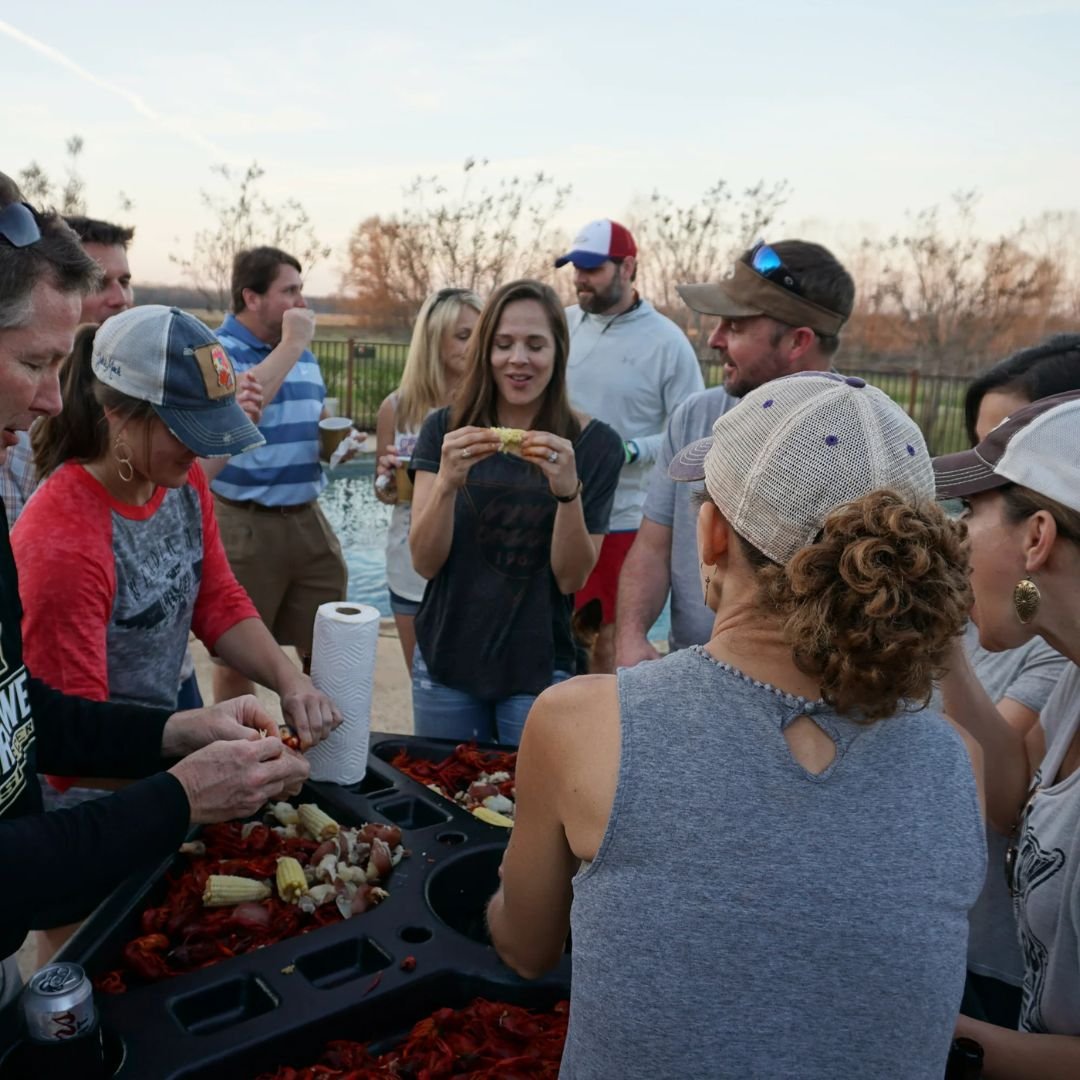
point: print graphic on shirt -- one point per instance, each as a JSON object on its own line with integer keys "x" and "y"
{"x": 513, "y": 529}
{"x": 183, "y": 581}
{"x": 16, "y": 737}
{"x": 1035, "y": 867}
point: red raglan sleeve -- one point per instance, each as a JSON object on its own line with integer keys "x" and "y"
{"x": 67, "y": 582}
{"x": 222, "y": 601}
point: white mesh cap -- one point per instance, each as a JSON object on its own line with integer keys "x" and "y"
{"x": 1036, "y": 447}
{"x": 797, "y": 448}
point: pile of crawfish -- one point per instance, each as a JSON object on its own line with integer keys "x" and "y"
{"x": 471, "y": 777}
{"x": 486, "y": 1040}
{"x": 182, "y": 935}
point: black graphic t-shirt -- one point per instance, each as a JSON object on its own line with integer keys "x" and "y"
{"x": 53, "y": 861}
{"x": 493, "y": 622}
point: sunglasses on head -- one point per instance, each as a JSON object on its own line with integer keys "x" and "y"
{"x": 18, "y": 225}
{"x": 769, "y": 265}
{"x": 447, "y": 294}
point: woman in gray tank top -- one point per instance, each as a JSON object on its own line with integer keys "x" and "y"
{"x": 1022, "y": 486}
{"x": 765, "y": 846}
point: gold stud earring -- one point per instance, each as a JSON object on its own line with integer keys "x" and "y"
{"x": 1026, "y": 600}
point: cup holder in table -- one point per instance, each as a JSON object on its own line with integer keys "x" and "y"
{"x": 458, "y": 891}
{"x": 203, "y": 1012}
{"x": 342, "y": 962}
{"x": 412, "y": 813}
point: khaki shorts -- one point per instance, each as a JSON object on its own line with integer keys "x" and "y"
{"x": 289, "y": 564}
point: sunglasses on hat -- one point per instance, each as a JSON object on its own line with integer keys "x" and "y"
{"x": 769, "y": 265}
{"x": 18, "y": 225}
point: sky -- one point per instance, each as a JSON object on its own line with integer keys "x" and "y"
{"x": 868, "y": 111}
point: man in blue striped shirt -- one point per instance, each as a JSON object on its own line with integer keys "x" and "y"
{"x": 279, "y": 544}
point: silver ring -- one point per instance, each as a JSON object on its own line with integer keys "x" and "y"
{"x": 553, "y": 456}
{"x": 466, "y": 452}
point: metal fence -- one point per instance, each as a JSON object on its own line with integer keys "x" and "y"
{"x": 934, "y": 402}
{"x": 361, "y": 373}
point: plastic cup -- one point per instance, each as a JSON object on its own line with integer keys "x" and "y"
{"x": 402, "y": 481}
{"x": 332, "y": 429}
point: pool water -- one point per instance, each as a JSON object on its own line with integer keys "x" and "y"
{"x": 360, "y": 522}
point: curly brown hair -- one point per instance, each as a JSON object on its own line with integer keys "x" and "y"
{"x": 871, "y": 607}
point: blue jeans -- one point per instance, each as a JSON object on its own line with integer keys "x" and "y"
{"x": 441, "y": 712}
{"x": 189, "y": 696}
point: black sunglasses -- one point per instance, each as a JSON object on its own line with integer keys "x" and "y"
{"x": 446, "y": 294}
{"x": 769, "y": 265}
{"x": 18, "y": 225}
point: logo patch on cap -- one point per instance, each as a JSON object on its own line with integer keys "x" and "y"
{"x": 217, "y": 371}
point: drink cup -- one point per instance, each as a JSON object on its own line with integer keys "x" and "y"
{"x": 402, "y": 481}
{"x": 332, "y": 429}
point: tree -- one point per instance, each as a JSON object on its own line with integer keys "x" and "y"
{"x": 699, "y": 242}
{"x": 472, "y": 239}
{"x": 957, "y": 300}
{"x": 68, "y": 198}
{"x": 243, "y": 218}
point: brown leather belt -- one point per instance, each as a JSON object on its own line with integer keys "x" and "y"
{"x": 250, "y": 504}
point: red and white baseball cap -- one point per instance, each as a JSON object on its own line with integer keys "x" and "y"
{"x": 597, "y": 242}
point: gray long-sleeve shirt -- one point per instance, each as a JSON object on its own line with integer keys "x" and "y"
{"x": 630, "y": 370}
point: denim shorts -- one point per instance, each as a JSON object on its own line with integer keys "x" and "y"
{"x": 441, "y": 712}
{"x": 400, "y": 606}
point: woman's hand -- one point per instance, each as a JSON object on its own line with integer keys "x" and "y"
{"x": 555, "y": 459}
{"x": 249, "y": 396}
{"x": 309, "y": 712}
{"x": 462, "y": 448}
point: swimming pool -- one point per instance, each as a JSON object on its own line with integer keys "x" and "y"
{"x": 361, "y": 521}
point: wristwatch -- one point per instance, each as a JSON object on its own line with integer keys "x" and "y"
{"x": 569, "y": 498}
{"x": 631, "y": 450}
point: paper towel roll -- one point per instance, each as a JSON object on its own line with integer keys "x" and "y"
{"x": 346, "y": 637}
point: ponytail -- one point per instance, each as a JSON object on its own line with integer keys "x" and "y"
{"x": 80, "y": 432}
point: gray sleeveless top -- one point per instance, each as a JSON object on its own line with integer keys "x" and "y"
{"x": 746, "y": 918}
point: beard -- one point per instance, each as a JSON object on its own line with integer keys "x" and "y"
{"x": 596, "y": 303}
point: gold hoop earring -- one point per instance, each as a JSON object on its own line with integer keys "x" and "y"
{"x": 122, "y": 454}
{"x": 1026, "y": 600}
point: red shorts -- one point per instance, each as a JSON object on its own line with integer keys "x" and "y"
{"x": 603, "y": 583}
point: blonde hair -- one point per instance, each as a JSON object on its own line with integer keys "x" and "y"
{"x": 423, "y": 382}
{"x": 871, "y": 607}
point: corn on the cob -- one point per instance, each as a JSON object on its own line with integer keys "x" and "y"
{"x": 291, "y": 883}
{"x": 492, "y": 818}
{"x": 318, "y": 825}
{"x": 285, "y": 813}
{"x": 224, "y": 889}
